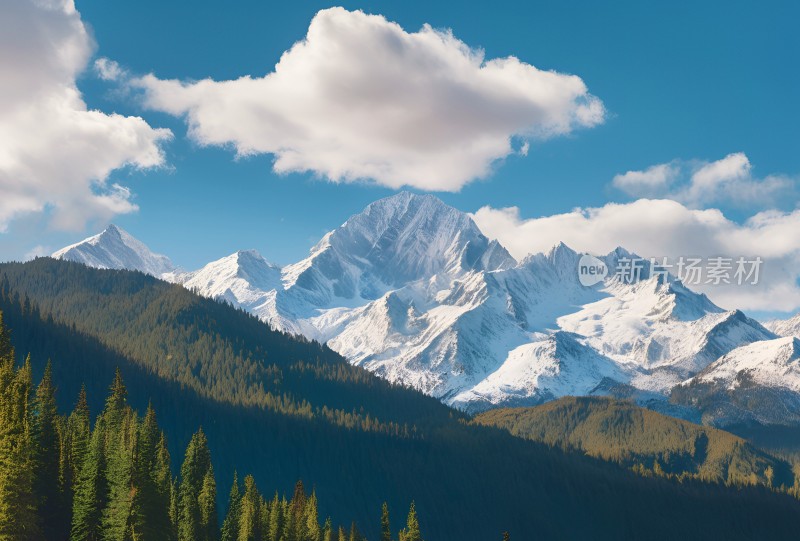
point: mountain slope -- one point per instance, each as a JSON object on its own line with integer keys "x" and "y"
{"x": 116, "y": 249}
{"x": 785, "y": 327}
{"x": 244, "y": 279}
{"x": 636, "y": 437}
{"x": 411, "y": 289}
{"x": 756, "y": 383}
{"x": 206, "y": 363}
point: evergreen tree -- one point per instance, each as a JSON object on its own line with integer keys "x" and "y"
{"x": 327, "y": 530}
{"x": 386, "y": 529}
{"x": 411, "y": 532}
{"x": 46, "y": 445}
{"x": 121, "y": 515}
{"x": 196, "y": 464}
{"x": 91, "y": 490}
{"x": 313, "y": 531}
{"x": 207, "y": 500}
{"x": 149, "y": 518}
{"x": 354, "y": 533}
{"x": 174, "y": 507}
{"x": 18, "y": 520}
{"x": 77, "y": 442}
{"x": 275, "y": 519}
{"x": 162, "y": 481}
{"x": 230, "y": 526}
{"x": 248, "y": 518}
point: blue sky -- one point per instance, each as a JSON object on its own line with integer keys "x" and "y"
{"x": 687, "y": 81}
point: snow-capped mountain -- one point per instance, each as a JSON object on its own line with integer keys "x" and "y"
{"x": 244, "y": 279}
{"x": 785, "y": 327}
{"x": 412, "y": 290}
{"x": 116, "y": 249}
{"x": 756, "y": 382}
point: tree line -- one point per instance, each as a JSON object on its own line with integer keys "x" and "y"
{"x": 63, "y": 479}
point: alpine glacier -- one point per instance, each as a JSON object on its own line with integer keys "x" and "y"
{"x": 412, "y": 290}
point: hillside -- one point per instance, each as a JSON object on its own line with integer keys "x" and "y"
{"x": 285, "y": 409}
{"x": 635, "y": 437}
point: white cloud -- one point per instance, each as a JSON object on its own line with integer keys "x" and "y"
{"x": 108, "y": 70}
{"x": 55, "y": 154}
{"x": 666, "y": 228}
{"x": 651, "y": 181}
{"x": 360, "y": 98}
{"x": 697, "y": 184}
{"x": 37, "y": 251}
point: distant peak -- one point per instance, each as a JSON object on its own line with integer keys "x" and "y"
{"x": 114, "y": 231}
{"x": 249, "y": 253}
{"x": 619, "y": 251}
{"x": 561, "y": 248}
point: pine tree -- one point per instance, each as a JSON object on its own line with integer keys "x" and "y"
{"x": 119, "y": 431}
{"x": 78, "y": 434}
{"x": 230, "y": 526}
{"x": 46, "y": 447}
{"x": 248, "y": 518}
{"x": 162, "y": 479}
{"x": 411, "y": 532}
{"x": 174, "y": 507}
{"x": 149, "y": 518}
{"x": 196, "y": 464}
{"x": 207, "y": 500}
{"x": 91, "y": 490}
{"x": 313, "y": 532}
{"x": 18, "y": 520}
{"x": 354, "y": 533}
{"x": 121, "y": 515}
{"x": 386, "y": 529}
{"x": 298, "y": 507}
{"x": 327, "y": 530}
{"x": 275, "y": 519}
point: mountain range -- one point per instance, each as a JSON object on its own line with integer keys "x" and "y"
{"x": 412, "y": 290}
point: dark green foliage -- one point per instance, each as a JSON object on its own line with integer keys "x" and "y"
{"x": 233, "y": 515}
{"x": 386, "y": 529}
{"x": 48, "y": 481}
{"x": 411, "y": 531}
{"x": 123, "y": 488}
{"x": 18, "y": 501}
{"x": 285, "y": 409}
{"x": 91, "y": 490}
{"x": 197, "y": 515}
{"x": 644, "y": 440}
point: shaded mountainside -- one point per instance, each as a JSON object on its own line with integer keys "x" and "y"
{"x": 285, "y": 409}
{"x": 642, "y": 439}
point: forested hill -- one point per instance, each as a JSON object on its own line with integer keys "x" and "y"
{"x": 284, "y": 410}
{"x": 646, "y": 441}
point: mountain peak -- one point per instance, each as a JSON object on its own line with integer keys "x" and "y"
{"x": 115, "y": 248}
{"x": 397, "y": 240}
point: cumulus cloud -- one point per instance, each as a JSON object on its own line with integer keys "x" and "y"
{"x": 651, "y": 181}
{"x": 697, "y": 184}
{"x": 361, "y": 98}
{"x": 55, "y": 153}
{"x": 108, "y": 70}
{"x": 665, "y": 228}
